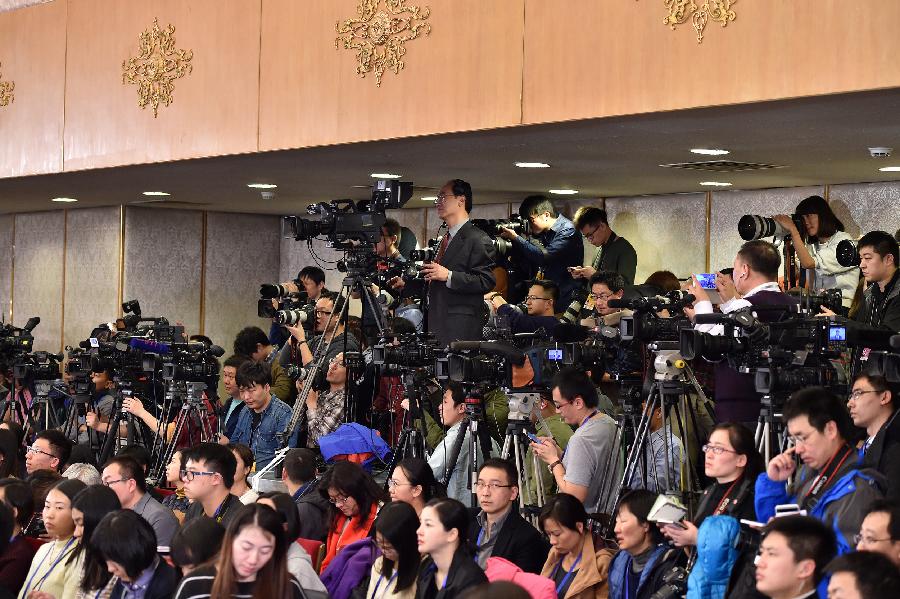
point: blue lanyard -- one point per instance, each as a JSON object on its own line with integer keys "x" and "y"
{"x": 591, "y": 415}
{"x": 302, "y": 490}
{"x": 387, "y": 586}
{"x": 40, "y": 582}
{"x": 569, "y": 574}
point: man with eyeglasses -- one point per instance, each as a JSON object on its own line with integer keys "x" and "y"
{"x": 880, "y": 530}
{"x": 828, "y": 483}
{"x": 49, "y": 451}
{"x": 871, "y": 405}
{"x": 540, "y": 303}
{"x": 325, "y": 408}
{"x": 126, "y": 478}
{"x": 616, "y": 254}
{"x": 560, "y": 248}
{"x": 606, "y": 286}
{"x": 208, "y": 476}
{"x": 329, "y": 330}
{"x": 499, "y": 530}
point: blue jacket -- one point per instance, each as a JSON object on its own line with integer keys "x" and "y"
{"x": 263, "y": 440}
{"x": 621, "y": 565}
{"x": 563, "y": 247}
{"x": 716, "y": 556}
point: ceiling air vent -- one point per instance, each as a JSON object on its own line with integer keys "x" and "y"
{"x": 721, "y": 166}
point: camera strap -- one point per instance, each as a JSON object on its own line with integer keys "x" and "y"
{"x": 825, "y": 477}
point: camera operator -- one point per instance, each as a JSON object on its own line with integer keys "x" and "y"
{"x": 385, "y": 249}
{"x": 872, "y": 408}
{"x": 311, "y": 281}
{"x": 607, "y": 285}
{"x": 325, "y": 409}
{"x": 101, "y": 405}
{"x": 753, "y": 282}
{"x": 816, "y": 247}
{"x": 562, "y": 246}
{"x": 461, "y": 272}
{"x": 616, "y": 253}
{"x": 328, "y": 328}
{"x": 541, "y": 303}
{"x": 231, "y": 405}
{"x": 252, "y": 343}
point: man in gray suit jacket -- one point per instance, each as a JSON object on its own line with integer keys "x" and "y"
{"x": 126, "y": 477}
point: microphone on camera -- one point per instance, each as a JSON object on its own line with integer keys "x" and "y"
{"x": 148, "y": 345}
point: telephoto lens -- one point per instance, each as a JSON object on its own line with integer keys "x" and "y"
{"x": 847, "y": 253}
{"x": 753, "y": 226}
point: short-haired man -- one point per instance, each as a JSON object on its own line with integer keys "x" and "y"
{"x": 606, "y": 286}
{"x": 880, "y": 530}
{"x": 312, "y": 280}
{"x": 753, "y": 282}
{"x": 830, "y": 485}
{"x": 872, "y": 408}
{"x": 329, "y": 330}
{"x": 264, "y": 419}
{"x": 590, "y": 459}
{"x": 500, "y": 531}
{"x": 232, "y": 404}
{"x": 792, "y": 557}
{"x": 208, "y": 475}
{"x": 863, "y": 575}
{"x": 560, "y": 244}
{"x": 253, "y": 343}
{"x": 126, "y": 477}
{"x": 616, "y": 253}
{"x": 301, "y": 478}
{"x": 325, "y": 409}
{"x": 541, "y": 305}
{"x": 49, "y": 451}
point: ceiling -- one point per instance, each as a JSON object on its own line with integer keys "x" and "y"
{"x": 817, "y": 140}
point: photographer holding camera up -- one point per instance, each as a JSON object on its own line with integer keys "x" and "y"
{"x": 540, "y": 302}
{"x": 562, "y": 244}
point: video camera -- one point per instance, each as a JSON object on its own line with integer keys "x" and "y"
{"x": 38, "y": 366}
{"x": 492, "y": 227}
{"x": 413, "y": 350}
{"x": 293, "y": 307}
{"x": 645, "y": 324}
{"x": 17, "y": 340}
{"x": 886, "y": 363}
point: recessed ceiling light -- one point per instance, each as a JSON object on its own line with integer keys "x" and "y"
{"x": 385, "y": 176}
{"x": 156, "y": 193}
{"x": 532, "y": 165}
{"x": 63, "y": 200}
{"x": 261, "y": 185}
{"x": 889, "y": 169}
{"x": 429, "y": 199}
{"x": 564, "y": 192}
{"x": 709, "y": 151}
{"x": 714, "y": 184}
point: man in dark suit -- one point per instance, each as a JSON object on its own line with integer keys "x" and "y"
{"x": 499, "y": 530}
{"x": 461, "y": 273}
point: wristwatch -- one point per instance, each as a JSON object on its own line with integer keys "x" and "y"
{"x": 554, "y": 465}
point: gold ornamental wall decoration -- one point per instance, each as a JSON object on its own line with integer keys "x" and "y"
{"x": 379, "y": 35}
{"x": 7, "y": 88}
{"x": 718, "y": 11}
{"x": 157, "y": 67}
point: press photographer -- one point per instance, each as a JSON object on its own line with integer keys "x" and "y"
{"x": 540, "y": 304}
{"x": 329, "y": 330}
{"x": 562, "y": 246}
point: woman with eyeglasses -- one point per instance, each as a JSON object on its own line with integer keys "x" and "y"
{"x": 450, "y": 566}
{"x": 355, "y": 498}
{"x": 50, "y": 571}
{"x": 394, "y": 574}
{"x": 413, "y": 482}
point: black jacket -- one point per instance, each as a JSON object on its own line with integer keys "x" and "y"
{"x": 459, "y": 313}
{"x": 518, "y": 541}
{"x": 314, "y": 512}
{"x": 162, "y": 585}
{"x": 884, "y": 455}
{"x": 464, "y": 574}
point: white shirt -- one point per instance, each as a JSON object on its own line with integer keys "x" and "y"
{"x": 732, "y": 305}
{"x": 828, "y": 273}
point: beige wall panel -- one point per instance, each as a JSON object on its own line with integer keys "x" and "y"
{"x": 162, "y": 263}
{"x": 33, "y": 57}
{"x": 6, "y": 265}
{"x": 39, "y": 275}
{"x": 414, "y": 219}
{"x": 295, "y": 255}
{"x": 242, "y": 251}
{"x": 668, "y": 232}
{"x": 867, "y": 206}
{"x": 465, "y": 75}
{"x": 590, "y": 58}
{"x": 92, "y": 267}
{"x": 214, "y": 108}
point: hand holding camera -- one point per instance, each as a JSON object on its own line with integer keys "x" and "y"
{"x": 507, "y": 233}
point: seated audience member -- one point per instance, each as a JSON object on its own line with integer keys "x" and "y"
{"x": 50, "y": 572}
{"x": 208, "y": 475}
{"x": 127, "y": 543}
{"x": 126, "y": 477}
{"x": 49, "y": 451}
{"x": 241, "y": 488}
{"x": 325, "y": 409}
{"x": 264, "y": 419}
{"x": 394, "y": 573}
{"x": 196, "y": 543}
{"x": 40, "y": 481}
{"x": 232, "y": 404}
{"x": 253, "y": 343}
{"x": 19, "y": 432}
{"x": 299, "y": 563}
{"x": 589, "y": 458}
{"x": 872, "y": 408}
{"x": 659, "y": 478}
{"x": 6, "y": 526}
{"x": 863, "y": 575}
{"x": 413, "y": 482}
{"x": 9, "y": 454}
{"x": 139, "y": 454}
{"x": 792, "y": 557}
{"x": 576, "y": 566}
{"x": 355, "y": 497}
{"x": 637, "y": 570}
{"x": 616, "y": 254}
{"x": 541, "y": 308}
{"x": 16, "y": 557}
{"x": 252, "y": 562}
{"x": 499, "y": 530}
{"x": 880, "y": 530}
{"x": 177, "y": 501}
{"x": 449, "y": 568}
{"x": 88, "y": 509}
{"x": 830, "y": 485}
{"x": 302, "y": 482}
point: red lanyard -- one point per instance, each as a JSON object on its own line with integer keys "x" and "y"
{"x": 720, "y": 509}
{"x": 822, "y": 478}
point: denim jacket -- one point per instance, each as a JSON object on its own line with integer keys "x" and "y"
{"x": 264, "y": 441}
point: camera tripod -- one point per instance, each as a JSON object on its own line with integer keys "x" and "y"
{"x": 477, "y": 435}
{"x": 770, "y": 432}
{"x": 516, "y": 444}
{"x": 114, "y": 441}
{"x": 192, "y": 416}
{"x": 411, "y": 443}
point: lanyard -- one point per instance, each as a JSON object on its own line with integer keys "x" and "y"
{"x": 220, "y": 511}
{"x": 591, "y": 415}
{"x": 302, "y": 490}
{"x": 387, "y": 586}
{"x": 569, "y": 574}
{"x": 49, "y": 571}
{"x": 823, "y": 478}
{"x": 720, "y": 509}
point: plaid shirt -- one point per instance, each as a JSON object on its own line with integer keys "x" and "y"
{"x": 327, "y": 417}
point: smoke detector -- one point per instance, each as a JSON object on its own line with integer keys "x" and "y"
{"x": 880, "y": 152}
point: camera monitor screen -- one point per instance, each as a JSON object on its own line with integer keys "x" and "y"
{"x": 837, "y": 334}
{"x": 555, "y": 354}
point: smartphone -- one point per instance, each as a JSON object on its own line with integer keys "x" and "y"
{"x": 707, "y": 281}
{"x": 534, "y": 438}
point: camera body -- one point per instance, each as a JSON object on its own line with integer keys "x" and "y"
{"x": 38, "y": 366}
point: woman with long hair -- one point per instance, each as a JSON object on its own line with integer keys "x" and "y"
{"x": 50, "y": 571}
{"x": 394, "y": 574}
{"x": 245, "y": 460}
{"x": 252, "y": 562}
{"x": 9, "y": 454}
{"x": 355, "y": 497}
{"x": 413, "y": 482}
{"x": 299, "y": 563}
{"x": 88, "y": 509}
{"x": 576, "y": 566}
{"x": 442, "y": 535}
{"x": 177, "y": 501}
